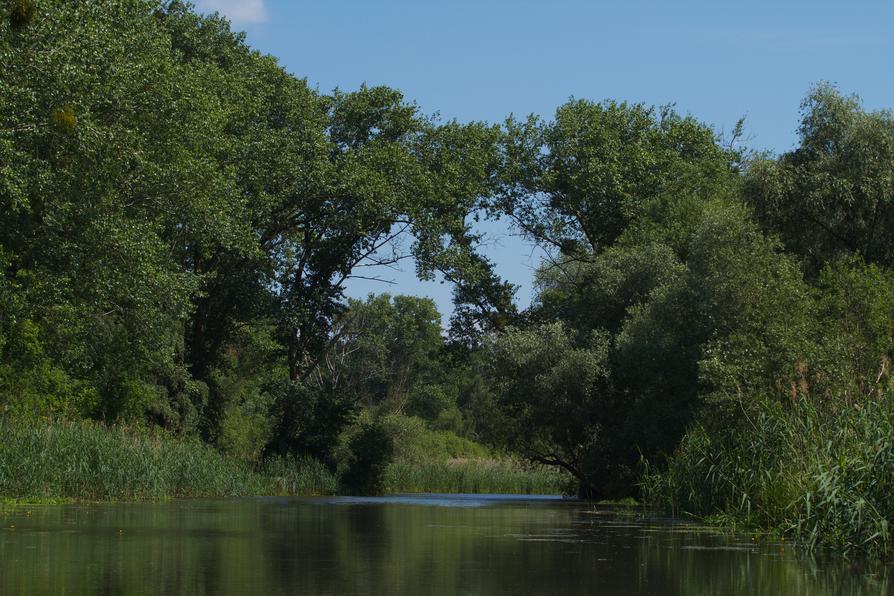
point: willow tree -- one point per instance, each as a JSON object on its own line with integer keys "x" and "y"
{"x": 833, "y": 195}
{"x": 634, "y": 207}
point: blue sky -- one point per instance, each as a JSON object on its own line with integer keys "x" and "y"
{"x": 482, "y": 60}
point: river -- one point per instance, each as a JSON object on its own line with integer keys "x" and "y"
{"x": 411, "y": 545}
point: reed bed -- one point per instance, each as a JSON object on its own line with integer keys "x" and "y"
{"x": 42, "y": 460}
{"x": 52, "y": 461}
{"x": 823, "y": 477}
{"x": 305, "y": 476}
{"x": 473, "y": 476}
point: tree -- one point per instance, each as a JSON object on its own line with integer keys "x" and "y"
{"x": 666, "y": 317}
{"x": 552, "y": 398}
{"x": 385, "y": 347}
{"x": 168, "y": 192}
{"x": 102, "y": 132}
{"x": 619, "y": 196}
{"x": 382, "y": 172}
{"x": 574, "y": 184}
{"x": 834, "y": 194}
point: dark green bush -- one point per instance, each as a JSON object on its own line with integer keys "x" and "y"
{"x": 308, "y": 421}
{"x": 22, "y": 13}
{"x": 371, "y": 451}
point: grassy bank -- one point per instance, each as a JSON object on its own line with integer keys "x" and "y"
{"x": 48, "y": 462}
{"x": 429, "y": 460}
{"x": 473, "y": 476}
{"x": 42, "y": 461}
{"x": 823, "y": 477}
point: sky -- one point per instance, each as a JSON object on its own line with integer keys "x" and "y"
{"x": 482, "y": 60}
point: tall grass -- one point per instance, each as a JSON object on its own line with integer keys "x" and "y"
{"x": 822, "y": 475}
{"x": 429, "y": 460}
{"x": 473, "y": 476}
{"x": 84, "y": 461}
{"x": 47, "y": 461}
{"x": 306, "y": 476}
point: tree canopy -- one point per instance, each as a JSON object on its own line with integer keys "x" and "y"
{"x": 179, "y": 218}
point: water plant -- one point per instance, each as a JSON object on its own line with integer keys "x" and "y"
{"x": 822, "y": 476}
{"x": 475, "y": 476}
{"x": 42, "y": 459}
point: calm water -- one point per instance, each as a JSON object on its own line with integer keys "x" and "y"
{"x": 432, "y": 544}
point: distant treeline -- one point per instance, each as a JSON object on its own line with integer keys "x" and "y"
{"x": 713, "y": 326}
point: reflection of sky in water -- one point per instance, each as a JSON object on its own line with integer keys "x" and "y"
{"x": 438, "y": 500}
{"x": 399, "y": 545}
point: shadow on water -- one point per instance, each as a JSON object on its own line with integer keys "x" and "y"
{"x": 437, "y": 544}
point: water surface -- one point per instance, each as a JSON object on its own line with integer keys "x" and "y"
{"x": 402, "y": 545}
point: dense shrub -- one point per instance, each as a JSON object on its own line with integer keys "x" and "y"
{"x": 307, "y": 421}
{"x": 371, "y": 449}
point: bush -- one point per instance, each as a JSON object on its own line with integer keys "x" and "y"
{"x": 414, "y": 440}
{"x": 308, "y": 421}
{"x": 371, "y": 450}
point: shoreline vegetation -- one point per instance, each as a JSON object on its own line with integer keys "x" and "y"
{"x": 822, "y": 479}
{"x": 44, "y": 462}
{"x": 711, "y": 331}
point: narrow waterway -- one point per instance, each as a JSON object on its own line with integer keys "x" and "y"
{"x": 414, "y": 545}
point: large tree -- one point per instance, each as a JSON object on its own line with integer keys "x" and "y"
{"x": 834, "y": 193}
{"x": 576, "y": 182}
{"x": 385, "y": 347}
{"x": 649, "y": 250}
{"x": 173, "y": 200}
{"x": 111, "y": 147}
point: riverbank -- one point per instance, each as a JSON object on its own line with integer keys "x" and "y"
{"x": 820, "y": 476}
{"x": 88, "y": 462}
{"x": 52, "y": 462}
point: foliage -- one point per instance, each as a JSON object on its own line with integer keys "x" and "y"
{"x": 628, "y": 201}
{"x": 386, "y": 346}
{"x": 552, "y": 397}
{"x": 475, "y": 476}
{"x": 427, "y": 460}
{"x": 179, "y": 217}
{"x": 832, "y": 195}
{"x": 84, "y": 461}
{"x": 664, "y": 305}
{"x": 414, "y": 440}
{"x": 577, "y": 182}
{"x": 801, "y": 449}
{"x": 304, "y": 476}
{"x": 820, "y": 477}
{"x": 371, "y": 449}
{"x": 307, "y": 421}
{"x": 704, "y": 318}
{"x": 21, "y": 13}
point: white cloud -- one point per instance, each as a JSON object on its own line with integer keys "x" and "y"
{"x": 238, "y": 11}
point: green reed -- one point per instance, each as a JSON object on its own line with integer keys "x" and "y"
{"x": 42, "y": 460}
{"x": 45, "y": 461}
{"x": 821, "y": 475}
{"x": 474, "y": 476}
